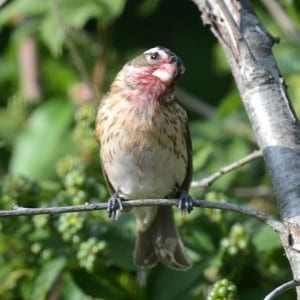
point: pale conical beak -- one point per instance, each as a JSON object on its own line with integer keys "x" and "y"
{"x": 168, "y": 72}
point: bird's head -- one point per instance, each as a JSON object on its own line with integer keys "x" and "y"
{"x": 161, "y": 63}
{"x": 152, "y": 72}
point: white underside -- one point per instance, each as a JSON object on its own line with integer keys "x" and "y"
{"x": 146, "y": 174}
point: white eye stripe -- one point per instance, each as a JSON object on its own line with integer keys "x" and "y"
{"x": 161, "y": 52}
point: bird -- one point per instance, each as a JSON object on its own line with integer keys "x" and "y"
{"x": 146, "y": 153}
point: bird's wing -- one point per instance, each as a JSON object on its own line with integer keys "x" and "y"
{"x": 188, "y": 177}
{"x": 108, "y": 184}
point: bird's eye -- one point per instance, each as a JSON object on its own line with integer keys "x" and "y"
{"x": 154, "y": 55}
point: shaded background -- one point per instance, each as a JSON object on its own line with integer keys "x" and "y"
{"x": 54, "y": 56}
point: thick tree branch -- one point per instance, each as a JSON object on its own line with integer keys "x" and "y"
{"x": 212, "y": 178}
{"x": 267, "y": 103}
{"x": 23, "y": 211}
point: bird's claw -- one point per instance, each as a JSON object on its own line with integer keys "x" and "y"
{"x": 114, "y": 206}
{"x": 185, "y": 202}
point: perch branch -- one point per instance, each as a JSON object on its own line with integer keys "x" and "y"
{"x": 282, "y": 288}
{"x": 23, "y": 211}
{"x": 212, "y": 178}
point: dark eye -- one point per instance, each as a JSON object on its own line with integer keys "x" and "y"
{"x": 154, "y": 55}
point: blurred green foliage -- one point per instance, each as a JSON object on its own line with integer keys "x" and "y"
{"x": 49, "y": 157}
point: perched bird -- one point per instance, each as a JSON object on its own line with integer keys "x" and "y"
{"x": 145, "y": 151}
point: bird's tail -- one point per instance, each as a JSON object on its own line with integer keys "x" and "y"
{"x": 161, "y": 243}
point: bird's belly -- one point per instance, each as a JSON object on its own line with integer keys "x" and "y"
{"x": 145, "y": 173}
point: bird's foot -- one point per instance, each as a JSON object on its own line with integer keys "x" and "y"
{"x": 114, "y": 206}
{"x": 185, "y": 202}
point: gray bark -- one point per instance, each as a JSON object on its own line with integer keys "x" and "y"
{"x": 248, "y": 48}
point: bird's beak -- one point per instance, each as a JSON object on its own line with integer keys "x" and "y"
{"x": 169, "y": 71}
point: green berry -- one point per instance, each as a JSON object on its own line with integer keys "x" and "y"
{"x": 69, "y": 225}
{"x": 223, "y": 290}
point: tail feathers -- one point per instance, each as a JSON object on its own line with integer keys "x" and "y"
{"x": 161, "y": 243}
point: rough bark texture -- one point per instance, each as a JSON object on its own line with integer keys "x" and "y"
{"x": 248, "y": 48}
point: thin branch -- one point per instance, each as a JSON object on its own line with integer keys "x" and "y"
{"x": 76, "y": 58}
{"x": 205, "y": 182}
{"x": 194, "y": 103}
{"x": 2, "y": 2}
{"x": 29, "y": 69}
{"x": 283, "y": 19}
{"x": 262, "y": 191}
{"x": 282, "y": 288}
{"x": 23, "y": 211}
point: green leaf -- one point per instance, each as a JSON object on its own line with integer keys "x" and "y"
{"x": 148, "y": 7}
{"x": 74, "y": 14}
{"x": 9, "y": 276}
{"x": 203, "y": 241}
{"x": 120, "y": 248}
{"x": 54, "y": 42}
{"x": 266, "y": 239}
{"x": 43, "y": 141}
{"x": 236, "y": 148}
{"x": 22, "y": 8}
{"x": 230, "y": 104}
{"x": 78, "y": 12}
{"x": 100, "y": 285}
{"x": 166, "y": 284}
{"x": 46, "y": 277}
{"x": 200, "y": 157}
{"x": 112, "y": 9}
{"x": 64, "y": 75}
{"x": 71, "y": 291}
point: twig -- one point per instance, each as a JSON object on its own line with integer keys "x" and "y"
{"x": 23, "y": 211}
{"x": 29, "y": 69}
{"x": 283, "y": 19}
{"x": 210, "y": 179}
{"x": 282, "y": 288}
{"x": 262, "y": 191}
{"x": 77, "y": 60}
{"x": 2, "y": 2}
{"x": 196, "y": 104}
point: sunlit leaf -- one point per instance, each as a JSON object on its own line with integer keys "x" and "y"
{"x": 104, "y": 286}
{"x": 42, "y": 142}
{"x": 46, "y": 277}
{"x": 20, "y": 9}
{"x": 266, "y": 239}
{"x": 112, "y": 9}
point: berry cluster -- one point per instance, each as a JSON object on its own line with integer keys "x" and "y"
{"x": 214, "y": 215}
{"x": 84, "y": 130}
{"x": 223, "y": 290}
{"x": 87, "y": 252}
{"x": 78, "y": 188}
{"x": 237, "y": 241}
{"x": 17, "y": 189}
